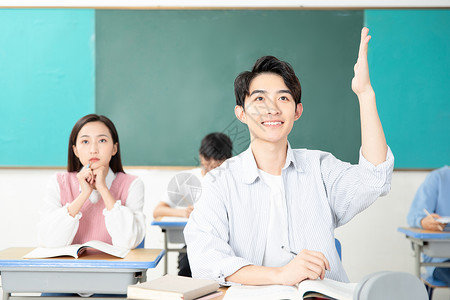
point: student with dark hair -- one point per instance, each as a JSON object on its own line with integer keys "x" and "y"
{"x": 268, "y": 216}
{"x": 94, "y": 199}
{"x": 215, "y": 148}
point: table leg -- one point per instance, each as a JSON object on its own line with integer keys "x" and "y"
{"x": 417, "y": 251}
{"x": 166, "y": 259}
{"x": 6, "y": 295}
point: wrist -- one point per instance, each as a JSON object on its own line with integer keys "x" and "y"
{"x": 367, "y": 93}
{"x": 102, "y": 189}
{"x": 276, "y": 275}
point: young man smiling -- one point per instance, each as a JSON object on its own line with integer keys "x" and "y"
{"x": 269, "y": 215}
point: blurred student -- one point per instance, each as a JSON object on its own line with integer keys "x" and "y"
{"x": 215, "y": 148}
{"x": 433, "y": 196}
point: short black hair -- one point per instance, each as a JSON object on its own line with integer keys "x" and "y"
{"x": 217, "y": 146}
{"x": 267, "y": 64}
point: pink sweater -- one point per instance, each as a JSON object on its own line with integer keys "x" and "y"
{"x": 92, "y": 224}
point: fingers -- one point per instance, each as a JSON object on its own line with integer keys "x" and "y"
{"x": 429, "y": 222}
{"x": 363, "y": 45}
{"x": 315, "y": 263}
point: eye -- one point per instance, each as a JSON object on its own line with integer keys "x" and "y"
{"x": 259, "y": 98}
{"x": 84, "y": 141}
{"x": 284, "y": 98}
{"x": 102, "y": 140}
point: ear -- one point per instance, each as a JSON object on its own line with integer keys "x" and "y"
{"x": 298, "y": 111}
{"x": 240, "y": 114}
{"x": 75, "y": 151}
{"x": 114, "y": 149}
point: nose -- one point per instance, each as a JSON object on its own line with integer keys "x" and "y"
{"x": 272, "y": 106}
{"x": 94, "y": 148}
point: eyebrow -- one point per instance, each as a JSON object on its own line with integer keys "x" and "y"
{"x": 85, "y": 135}
{"x": 265, "y": 92}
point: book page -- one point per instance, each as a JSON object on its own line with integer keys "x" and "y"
{"x": 54, "y": 252}
{"x": 267, "y": 292}
{"x": 107, "y": 248}
{"x": 328, "y": 287}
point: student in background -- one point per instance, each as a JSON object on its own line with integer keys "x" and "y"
{"x": 215, "y": 148}
{"x": 433, "y": 196}
{"x": 94, "y": 199}
{"x": 269, "y": 215}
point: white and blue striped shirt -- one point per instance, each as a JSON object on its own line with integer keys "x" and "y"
{"x": 228, "y": 227}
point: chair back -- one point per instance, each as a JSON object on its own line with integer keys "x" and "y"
{"x": 141, "y": 245}
{"x": 338, "y": 248}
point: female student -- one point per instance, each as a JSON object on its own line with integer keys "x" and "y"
{"x": 94, "y": 199}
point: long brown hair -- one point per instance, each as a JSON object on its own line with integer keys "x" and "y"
{"x": 73, "y": 163}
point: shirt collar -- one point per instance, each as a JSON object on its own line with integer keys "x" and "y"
{"x": 109, "y": 178}
{"x": 251, "y": 169}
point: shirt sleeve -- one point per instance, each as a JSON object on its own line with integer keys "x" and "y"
{"x": 56, "y": 227}
{"x": 353, "y": 188}
{"x": 207, "y": 236}
{"x": 426, "y": 197}
{"x": 126, "y": 223}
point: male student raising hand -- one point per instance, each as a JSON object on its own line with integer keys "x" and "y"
{"x": 269, "y": 215}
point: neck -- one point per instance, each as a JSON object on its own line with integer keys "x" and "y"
{"x": 269, "y": 157}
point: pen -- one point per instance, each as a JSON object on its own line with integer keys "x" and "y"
{"x": 291, "y": 252}
{"x": 88, "y": 165}
{"x": 426, "y": 211}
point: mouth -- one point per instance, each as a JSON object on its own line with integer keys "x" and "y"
{"x": 276, "y": 123}
{"x": 93, "y": 160}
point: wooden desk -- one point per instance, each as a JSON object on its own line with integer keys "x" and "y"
{"x": 431, "y": 243}
{"x": 93, "y": 272}
{"x": 173, "y": 233}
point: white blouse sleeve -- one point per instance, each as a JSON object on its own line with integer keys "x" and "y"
{"x": 56, "y": 228}
{"x": 126, "y": 224}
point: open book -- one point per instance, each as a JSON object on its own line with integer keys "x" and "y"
{"x": 76, "y": 250}
{"x": 171, "y": 287}
{"x": 322, "y": 289}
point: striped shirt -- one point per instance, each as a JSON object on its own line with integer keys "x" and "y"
{"x": 228, "y": 227}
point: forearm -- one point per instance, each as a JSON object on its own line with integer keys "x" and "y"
{"x": 75, "y": 206}
{"x": 107, "y": 197}
{"x": 256, "y": 275}
{"x": 166, "y": 211}
{"x": 374, "y": 147}
{"x": 56, "y": 228}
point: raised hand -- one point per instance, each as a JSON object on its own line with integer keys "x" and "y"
{"x": 361, "y": 80}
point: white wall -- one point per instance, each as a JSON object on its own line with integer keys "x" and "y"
{"x": 226, "y": 3}
{"x": 370, "y": 241}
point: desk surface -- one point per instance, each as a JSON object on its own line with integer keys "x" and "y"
{"x": 136, "y": 259}
{"x": 419, "y": 233}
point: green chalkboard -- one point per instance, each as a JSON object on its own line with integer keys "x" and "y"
{"x": 165, "y": 77}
